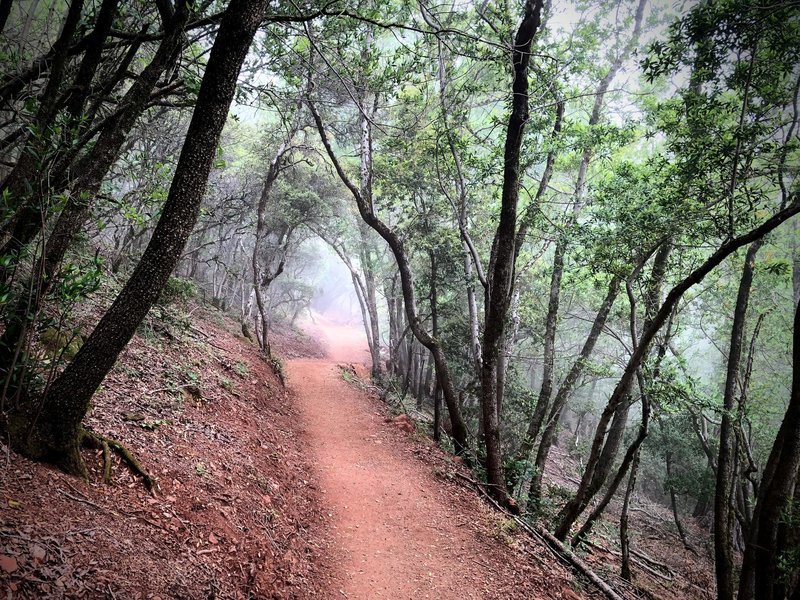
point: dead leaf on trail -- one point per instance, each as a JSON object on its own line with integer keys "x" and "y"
{"x": 14, "y": 503}
{"x": 8, "y": 563}
{"x": 37, "y": 552}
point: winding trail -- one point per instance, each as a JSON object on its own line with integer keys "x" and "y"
{"x": 394, "y": 526}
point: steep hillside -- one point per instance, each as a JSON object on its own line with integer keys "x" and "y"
{"x": 233, "y": 513}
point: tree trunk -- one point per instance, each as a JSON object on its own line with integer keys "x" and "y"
{"x": 631, "y": 457}
{"x": 460, "y": 184}
{"x": 391, "y": 310}
{"x": 723, "y": 512}
{"x": 247, "y": 311}
{"x": 56, "y": 434}
{"x": 796, "y": 260}
{"x": 760, "y": 576}
{"x": 437, "y": 412}
{"x": 261, "y": 279}
{"x": 548, "y": 360}
{"x": 501, "y": 263}
{"x": 673, "y": 501}
{"x": 624, "y": 540}
{"x": 551, "y": 318}
{"x": 565, "y": 391}
{"x": 651, "y": 299}
{"x": 366, "y": 253}
{"x": 371, "y": 302}
{"x": 25, "y": 181}
{"x": 27, "y": 222}
{"x": 434, "y": 316}
{"x": 472, "y": 311}
{"x": 92, "y": 170}
{"x": 5, "y": 11}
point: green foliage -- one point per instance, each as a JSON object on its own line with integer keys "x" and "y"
{"x": 76, "y": 282}
{"x": 153, "y": 425}
{"x": 241, "y": 368}
{"x": 226, "y": 384}
{"x": 178, "y": 291}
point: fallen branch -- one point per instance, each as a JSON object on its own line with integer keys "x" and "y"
{"x": 667, "y": 575}
{"x": 649, "y": 513}
{"x": 207, "y": 337}
{"x": 172, "y": 388}
{"x": 552, "y": 543}
{"x": 652, "y": 561}
{"x": 579, "y": 564}
{"x": 83, "y": 499}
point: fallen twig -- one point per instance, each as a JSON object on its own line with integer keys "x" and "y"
{"x": 652, "y": 561}
{"x": 171, "y": 388}
{"x": 85, "y": 501}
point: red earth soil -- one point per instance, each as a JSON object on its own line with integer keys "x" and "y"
{"x": 399, "y": 530}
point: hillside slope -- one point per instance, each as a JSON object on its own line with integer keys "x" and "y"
{"x": 233, "y": 514}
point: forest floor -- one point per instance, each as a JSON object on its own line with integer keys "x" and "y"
{"x": 312, "y": 490}
{"x": 234, "y": 513}
{"x": 262, "y": 491}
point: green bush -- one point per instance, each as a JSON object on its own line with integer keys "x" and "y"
{"x": 178, "y": 290}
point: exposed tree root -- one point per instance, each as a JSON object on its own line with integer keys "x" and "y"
{"x": 92, "y": 439}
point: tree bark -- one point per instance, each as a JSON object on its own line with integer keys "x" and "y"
{"x": 723, "y": 512}
{"x": 760, "y": 575}
{"x": 501, "y": 263}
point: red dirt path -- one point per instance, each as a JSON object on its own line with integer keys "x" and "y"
{"x": 400, "y": 531}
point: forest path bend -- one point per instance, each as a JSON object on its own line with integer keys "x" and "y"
{"x": 393, "y": 524}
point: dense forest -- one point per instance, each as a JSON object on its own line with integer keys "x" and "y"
{"x": 564, "y": 226}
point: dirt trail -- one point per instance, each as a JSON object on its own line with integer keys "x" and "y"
{"x": 394, "y": 525}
